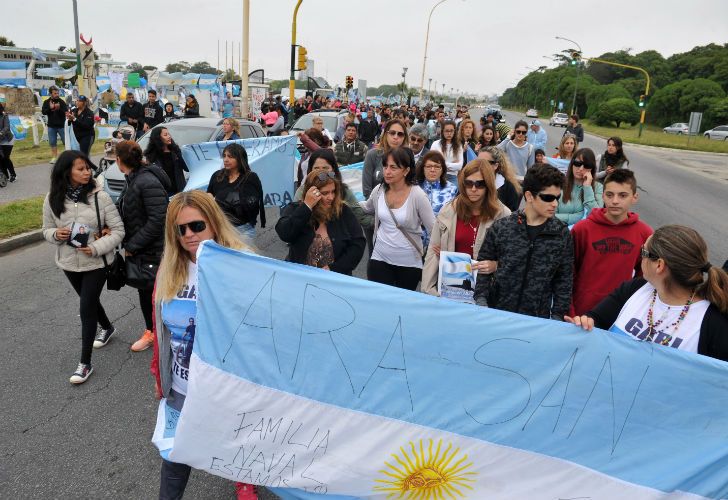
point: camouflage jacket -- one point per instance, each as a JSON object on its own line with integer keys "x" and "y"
{"x": 533, "y": 277}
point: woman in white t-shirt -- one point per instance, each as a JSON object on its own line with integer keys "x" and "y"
{"x": 451, "y": 148}
{"x": 681, "y": 301}
{"x": 192, "y": 217}
{"x": 401, "y": 210}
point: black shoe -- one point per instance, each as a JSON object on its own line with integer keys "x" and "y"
{"x": 12, "y": 178}
{"x": 102, "y": 338}
{"x": 3, "y": 180}
{"x": 82, "y": 373}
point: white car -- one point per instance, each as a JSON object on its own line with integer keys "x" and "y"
{"x": 532, "y": 113}
{"x": 676, "y": 128}
{"x": 559, "y": 119}
{"x": 720, "y": 133}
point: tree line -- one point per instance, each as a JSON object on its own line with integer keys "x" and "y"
{"x": 696, "y": 80}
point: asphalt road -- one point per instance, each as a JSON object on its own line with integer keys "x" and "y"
{"x": 675, "y": 187}
{"x": 93, "y": 440}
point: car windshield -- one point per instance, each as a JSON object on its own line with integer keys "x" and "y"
{"x": 183, "y": 135}
{"x": 562, "y": 115}
{"x": 306, "y": 122}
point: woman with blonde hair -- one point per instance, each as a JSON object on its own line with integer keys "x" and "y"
{"x": 567, "y": 148}
{"x": 467, "y": 135}
{"x": 461, "y": 225}
{"x": 680, "y": 301}
{"x": 509, "y": 189}
{"x": 230, "y": 130}
{"x": 192, "y": 217}
{"x": 322, "y": 231}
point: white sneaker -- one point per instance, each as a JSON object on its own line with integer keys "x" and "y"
{"x": 82, "y": 373}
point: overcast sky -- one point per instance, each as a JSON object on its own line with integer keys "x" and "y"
{"x": 477, "y": 46}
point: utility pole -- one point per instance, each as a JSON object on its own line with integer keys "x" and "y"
{"x": 292, "y": 79}
{"x": 245, "y": 61}
{"x": 78, "y": 39}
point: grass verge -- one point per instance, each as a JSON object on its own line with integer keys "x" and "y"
{"x": 21, "y": 216}
{"x": 654, "y": 136}
{"x": 26, "y": 153}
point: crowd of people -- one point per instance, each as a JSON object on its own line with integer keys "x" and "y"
{"x": 561, "y": 244}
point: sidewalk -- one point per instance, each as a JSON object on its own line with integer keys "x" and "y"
{"x": 33, "y": 180}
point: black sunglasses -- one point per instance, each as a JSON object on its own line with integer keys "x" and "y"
{"x": 196, "y": 226}
{"x": 322, "y": 176}
{"x": 578, "y": 163}
{"x": 395, "y": 132}
{"x": 646, "y": 254}
{"x": 549, "y": 198}
{"x": 474, "y": 184}
{"x": 521, "y": 132}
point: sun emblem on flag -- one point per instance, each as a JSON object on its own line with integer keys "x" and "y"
{"x": 426, "y": 473}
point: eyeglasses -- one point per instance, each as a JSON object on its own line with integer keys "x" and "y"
{"x": 196, "y": 226}
{"x": 322, "y": 176}
{"x": 646, "y": 254}
{"x": 521, "y": 132}
{"x": 474, "y": 184}
{"x": 433, "y": 167}
{"x": 396, "y": 133}
{"x": 414, "y": 138}
{"x": 578, "y": 164}
{"x": 549, "y": 198}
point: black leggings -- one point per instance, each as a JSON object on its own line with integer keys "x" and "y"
{"x": 88, "y": 286}
{"x": 173, "y": 480}
{"x": 399, "y": 276}
{"x": 85, "y": 144}
{"x": 145, "y": 302}
{"x": 6, "y": 164}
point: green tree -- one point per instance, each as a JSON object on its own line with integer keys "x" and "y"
{"x": 181, "y": 66}
{"x": 135, "y": 67}
{"x": 717, "y": 114}
{"x": 203, "y": 67}
{"x": 6, "y": 42}
{"x": 599, "y": 94}
{"x": 618, "y": 110}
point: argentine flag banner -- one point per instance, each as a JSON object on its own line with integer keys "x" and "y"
{"x": 312, "y": 382}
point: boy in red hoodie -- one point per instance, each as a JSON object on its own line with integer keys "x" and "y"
{"x": 607, "y": 243}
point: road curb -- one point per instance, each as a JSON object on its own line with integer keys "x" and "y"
{"x": 21, "y": 240}
{"x": 661, "y": 148}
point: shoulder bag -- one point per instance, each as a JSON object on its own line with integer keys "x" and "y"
{"x": 405, "y": 233}
{"x": 115, "y": 273}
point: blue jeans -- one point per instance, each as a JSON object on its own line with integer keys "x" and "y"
{"x": 54, "y": 133}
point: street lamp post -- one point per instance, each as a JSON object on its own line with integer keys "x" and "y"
{"x": 443, "y": 89}
{"x": 429, "y": 86}
{"x": 404, "y": 82}
{"x": 427, "y": 39}
{"x": 244, "y": 60}
{"x": 576, "y": 83}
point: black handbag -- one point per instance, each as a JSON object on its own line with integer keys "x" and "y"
{"x": 116, "y": 272}
{"x": 141, "y": 271}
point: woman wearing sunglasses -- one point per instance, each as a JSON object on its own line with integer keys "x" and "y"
{"x": 681, "y": 300}
{"x": 519, "y": 151}
{"x": 451, "y": 148}
{"x": 401, "y": 211}
{"x": 142, "y": 205}
{"x": 322, "y": 231}
{"x": 582, "y": 192}
{"x": 461, "y": 225}
{"x": 509, "y": 189}
{"x": 238, "y": 191}
{"x": 192, "y": 218}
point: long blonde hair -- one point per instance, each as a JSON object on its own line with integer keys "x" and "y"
{"x": 562, "y": 147}
{"x": 234, "y": 124}
{"x": 504, "y": 166}
{"x": 172, "y": 274}
{"x": 384, "y": 141}
{"x": 461, "y": 136}
{"x": 489, "y": 207}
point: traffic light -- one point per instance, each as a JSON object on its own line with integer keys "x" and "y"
{"x": 644, "y": 99}
{"x": 349, "y": 82}
{"x": 575, "y": 57}
{"x": 302, "y": 52}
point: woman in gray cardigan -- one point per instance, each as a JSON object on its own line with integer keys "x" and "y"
{"x": 75, "y": 204}
{"x": 401, "y": 210}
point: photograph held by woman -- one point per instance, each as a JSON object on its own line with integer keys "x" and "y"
{"x": 322, "y": 231}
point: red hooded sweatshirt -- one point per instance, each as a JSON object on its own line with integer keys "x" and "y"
{"x": 605, "y": 255}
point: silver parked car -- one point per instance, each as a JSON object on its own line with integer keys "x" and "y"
{"x": 719, "y": 133}
{"x": 183, "y": 131}
{"x": 559, "y": 119}
{"x": 676, "y": 128}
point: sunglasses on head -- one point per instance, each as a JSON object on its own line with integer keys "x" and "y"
{"x": 474, "y": 184}
{"x": 396, "y": 133}
{"x": 196, "y": 226}
{"x": 646, "y": 254}
{"x": 521, "y": 132}
{"x": 549, "y": 198}
{"x": 322, "y": 176}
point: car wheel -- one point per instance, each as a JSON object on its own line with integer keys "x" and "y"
{"x": 679, "y": 133}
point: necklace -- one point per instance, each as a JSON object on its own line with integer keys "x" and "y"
{"x": 652, "y": 325}
{"x": 475, "y": 231}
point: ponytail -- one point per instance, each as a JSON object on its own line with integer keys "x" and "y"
{"x": 715, "y": 288}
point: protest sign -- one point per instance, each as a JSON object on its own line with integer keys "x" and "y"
{"x": 272, "y": 158}
{"x": 305, "y": 378}
{"x": 456, "y": 278}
